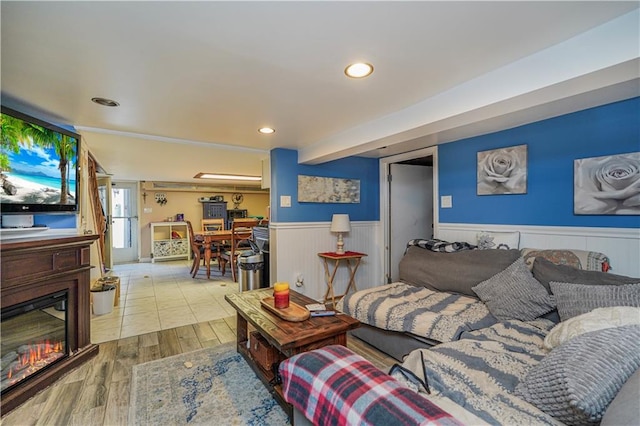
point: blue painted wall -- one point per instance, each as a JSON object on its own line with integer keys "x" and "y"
{"x": 553, "y": 145}
{"x": 284, "y": 181}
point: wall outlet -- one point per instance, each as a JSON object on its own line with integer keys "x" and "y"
{"x": 446, "y": 201}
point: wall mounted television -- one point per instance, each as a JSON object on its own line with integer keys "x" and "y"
{"x": 38, "y": 166}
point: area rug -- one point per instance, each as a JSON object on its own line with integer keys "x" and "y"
{"x": 213, "y": 386}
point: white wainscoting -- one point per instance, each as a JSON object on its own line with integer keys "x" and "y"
{"x": 294, "y": 249}
{"x": 621, "y": 245}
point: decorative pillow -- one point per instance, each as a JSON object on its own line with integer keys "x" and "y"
{"x": 597, "y": 319}
{"x": 577, "y": 381}
{"x": 577, "y": 299}
{"x": 454, "y": 272}
{"x": 581, "y": 259}
{"x": 546, "y": 271}
{"x": 498, "y": 240}
{"x": 514, "y": 294}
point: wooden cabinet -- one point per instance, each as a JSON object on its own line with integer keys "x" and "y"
{"x": 214, "y": 210}
{"x": 169, "y": 240}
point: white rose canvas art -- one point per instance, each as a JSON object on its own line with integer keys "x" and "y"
{"x": 503, "y": 171}
{"x": 608, "y": 185}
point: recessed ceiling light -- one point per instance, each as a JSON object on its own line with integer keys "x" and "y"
{"x": 359, "y": 70}
{"x": 105, "y": 102}
{"x": 266, "y": 130}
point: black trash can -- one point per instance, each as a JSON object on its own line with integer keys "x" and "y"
{"x": 250, "y": 266}
{"x": 261, "y": 238}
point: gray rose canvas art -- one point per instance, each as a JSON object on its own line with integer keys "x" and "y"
{"x": 608, "y": 185}
{"x": 503, "y": 171}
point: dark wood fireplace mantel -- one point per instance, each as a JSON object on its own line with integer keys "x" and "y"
{"x": 35, "y": 267}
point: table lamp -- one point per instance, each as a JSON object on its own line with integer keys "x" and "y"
{"x": 340, "y": 224}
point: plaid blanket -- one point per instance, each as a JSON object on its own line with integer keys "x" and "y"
{"x": 440, "y": 245}
{"x": 334, "y": 386}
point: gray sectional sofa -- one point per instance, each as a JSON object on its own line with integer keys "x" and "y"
{"x": 512, "y": 336}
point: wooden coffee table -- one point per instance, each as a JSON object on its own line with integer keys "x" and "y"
{"x": 288, "y": 338}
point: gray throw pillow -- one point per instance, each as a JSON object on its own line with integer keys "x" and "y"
{"x": 575, "y": 299}
{"x": 514, "y": 294}
{"x": 577, "y": 381}
{"x": 546, "y": 271}
{"x": 453, "y": 272}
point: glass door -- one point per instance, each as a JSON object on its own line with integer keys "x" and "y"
{"x": 124, "y": 222}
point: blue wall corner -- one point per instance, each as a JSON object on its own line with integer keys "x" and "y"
{"x": 552, "y": 147}
{"x": 284, "y": 181}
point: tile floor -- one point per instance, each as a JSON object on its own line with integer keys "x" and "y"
{"x": 162, "y": 295}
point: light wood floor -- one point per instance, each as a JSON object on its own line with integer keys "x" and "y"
{"x": 97, "y": 393}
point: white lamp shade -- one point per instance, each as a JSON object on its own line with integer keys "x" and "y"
{"x": 340, "y": 223}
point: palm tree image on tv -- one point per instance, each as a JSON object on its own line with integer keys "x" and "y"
{"x": 28, "y": 161}
{"x": 11, "y": 128}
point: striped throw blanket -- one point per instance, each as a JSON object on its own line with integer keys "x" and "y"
{"x": 334, "y": 386}
{"x": 481, "y": 371}
{"x": 434, "y": 315}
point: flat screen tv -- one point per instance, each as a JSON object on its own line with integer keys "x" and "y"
{"x": 38, "y": 166}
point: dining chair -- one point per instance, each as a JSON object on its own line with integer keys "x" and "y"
{"x": 241, "y": 233}
{"x": 197, "y": 249}
{"x": 213, "y": 224}
{"x": 217, "y": 224}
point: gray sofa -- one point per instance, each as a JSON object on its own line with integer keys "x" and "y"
{"x": 454, "y": 272}
{"x": 495, "y": 365}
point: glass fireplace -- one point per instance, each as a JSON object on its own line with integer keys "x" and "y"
{"x": 33, "y": 336}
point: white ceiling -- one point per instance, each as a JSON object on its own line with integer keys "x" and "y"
{"x": 195, "y": 80}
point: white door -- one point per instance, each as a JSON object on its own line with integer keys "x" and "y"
{"x": 124, "y": 222}
{"x": 410, "y": 209}
{"x": 392, "y": 251}
{"x": 104, "y": 192}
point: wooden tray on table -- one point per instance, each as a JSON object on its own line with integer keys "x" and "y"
{"x": 294, "y": 312}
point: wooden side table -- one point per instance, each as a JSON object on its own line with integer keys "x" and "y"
{"x": 347, "y": 257}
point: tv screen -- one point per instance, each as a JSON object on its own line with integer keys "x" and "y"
{"x": 38, "y": 165}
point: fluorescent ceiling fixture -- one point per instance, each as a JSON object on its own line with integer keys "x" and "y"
{"x": 358, "y": 70}
{"x": 226, "y": 177}
{"x": 266, "y": 130}
{"x": 105, "y": 102}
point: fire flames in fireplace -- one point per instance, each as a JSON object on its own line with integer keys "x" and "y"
{"x": 28, "y": 359}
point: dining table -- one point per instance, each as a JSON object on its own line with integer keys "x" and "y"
{"x": 208, "y": 238}
{"x": 224, "y": 236}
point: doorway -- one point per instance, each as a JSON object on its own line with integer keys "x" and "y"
{"x": 409, "y": 203}
{"x": 124, "y": 222}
